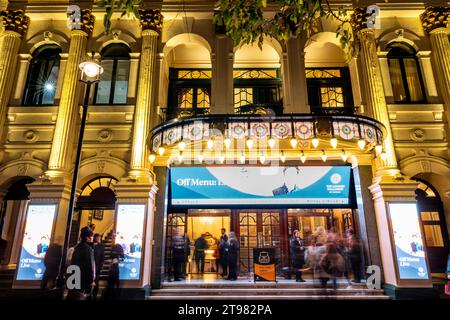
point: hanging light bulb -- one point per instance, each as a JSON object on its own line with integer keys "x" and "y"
{"x": 210, "y": 144}
{"x": 227, "y": 143}
{"x": 324, "y": 156}
{"x": 200, "y": 158}
{"x": 383, "y": 156}
{"x": 161, "y": 151}
{"x": 271, "y": 142}
{"x": 282, "y": 157}
{"x": 152, "y": 158}
{"x": 333, "y": 142}
{"x": 315, "y": 142}
{"x": 242, "y": 158}
{"x": 303, "y": 157}
{"x": 180, "y": 157}
{"x": 344, "y": 156}
{"x": 293, "y": 142}
{"x": 378, "y": 149}
{"x": 182, "y": 145}
{"x": 221, "y": 158}
{"x": 249, "y": 143}
{"x": 361, "y": 143}
{"x": 262, "y": 158}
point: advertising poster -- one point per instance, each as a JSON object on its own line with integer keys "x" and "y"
{"x": 247, "y": 185}
{"x": 408, "y": 241}
{"x": 264, "y": 264}
{"x": 129, "y": 228}
{"x": 36, "y": 239}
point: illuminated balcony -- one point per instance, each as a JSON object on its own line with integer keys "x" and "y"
{"x": 221, "y": 138}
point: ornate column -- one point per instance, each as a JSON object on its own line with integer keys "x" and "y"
{"x": 434, "y": 22}
{"x": 374, "y": 93}
{"x": 15, "y": 24}
{"x": 151, "y": 23}
{"x": 68, "y": 111}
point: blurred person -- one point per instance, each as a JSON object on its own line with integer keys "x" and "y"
{"x": 233, "y": 256}
{"x": 113, "y": 283}
{"x": 332, "y": 263}
{"x": 223, "y": 234}
{"x": 52, "y": 263}
{"x": 83, "y": 257}
{"x": 297, "y": 251}
{"x": 99, "y": 257}
{"x": 223, "y": 256}
{"x": 178, "y": 256}
{"x": 314, "y": 253}
{"x": 321, "y": 235}
{"x": 354, "y": 255}
{"x": 200, "y": 245}
{"x": 92, "y": 227}
{"x": 187, "y": 254}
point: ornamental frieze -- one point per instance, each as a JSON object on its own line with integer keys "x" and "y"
{"x": 15, "y": 20}
{"x": 435, "y": 17}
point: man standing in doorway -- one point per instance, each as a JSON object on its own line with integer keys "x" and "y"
{"x": 200, "y": 246}
{"x": 178, "y": 256}
{"x": 223, "y": 235}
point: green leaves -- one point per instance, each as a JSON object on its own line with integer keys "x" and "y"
{"x": 125, "y": 7}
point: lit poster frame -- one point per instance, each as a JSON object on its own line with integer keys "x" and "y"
{"x": 129, "y": 234}
{"x": 408, "y": 242}
{"x": 35, "y": 242}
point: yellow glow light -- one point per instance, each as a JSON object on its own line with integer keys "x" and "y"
{"x": 161, "y": 151}
{"x": 262, "y": 158}
{"x": 152, "y": 158}
{"x": 294, "y": 142}
{"x": 271, "y": 142}
{"x": 315, "y": 142}
{"x": 361, "y": 144}
{"x": 344, "y": 156}
{"x": 378, "y": 149}
{"x": 324, "y": 156}
{"x": 227, "y": 143}
{"x": 303, "y": 157}
{"x": 210, "y": 144}
{"x": 333, "y": 142}
{"x": 182, "y": 145}
{"x": 249, "y": 143}
{"x": 242, "y": 158}
{"x": 282, "y": 157}
{"x": 200, "y": 158}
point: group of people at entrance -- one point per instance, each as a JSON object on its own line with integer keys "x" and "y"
{"x": 89, "y": 255}
{"x": 226, "y": 255}
{"x": 329, "y": 255}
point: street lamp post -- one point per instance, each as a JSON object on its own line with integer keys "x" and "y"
{"x": 90, "y": 73}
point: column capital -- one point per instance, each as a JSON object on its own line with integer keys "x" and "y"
{"x": 80, "y": 20}
{"x": 359, "y": 19}
{"x": 151, "y": 19}
{"x": 435, "y": 17}
{"x": 15, "y": 20}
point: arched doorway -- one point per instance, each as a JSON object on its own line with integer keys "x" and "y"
{"x": 431, "y": 213}
{"x": 95, "y": 205}
{"x": 12, "y": 219}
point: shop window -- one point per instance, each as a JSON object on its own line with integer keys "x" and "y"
{"x": 189, "y": 92}
{"x": 329, "y": 90}
{"x": 42, "y": 76}
{"x": 432, "y": 229}
{"x": 406, "y": 78}
{"x": 257, "y": 91}
{"x": 113, "y": 86}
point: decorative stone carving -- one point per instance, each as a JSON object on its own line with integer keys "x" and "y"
{"x": 101, "y": 166}
{"x": 417, "y": 134}
{"x": 31, "y": 136}
{"x": 151, "y": 19}
{"x": 48, "y": 35}
{"x": 105, "y": 135}
{"x": 426, "y": 165}
{"x": 116, "y": 34}
{"x": 22, "y": 169}
{"x": 15, "y": 20}
{"x": 78, "y": 19}
{"x": 435, "y": 17}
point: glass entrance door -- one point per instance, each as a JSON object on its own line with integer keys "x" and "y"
{"x": 258, "y": 229}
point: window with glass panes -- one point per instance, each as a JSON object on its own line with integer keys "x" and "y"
{"x": 42, "y": 76}
{"x": 406, "y": 78}
{"x": 113, "y": 86}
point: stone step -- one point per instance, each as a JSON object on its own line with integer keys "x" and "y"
{"x": 263, "y": 292}
{"x": 272, "y": 297}
{"x": 216, "y": 285}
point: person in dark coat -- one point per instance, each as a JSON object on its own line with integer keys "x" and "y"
{"x": 223, "y": 256}
{"x": 297, "y": 251}
{"x": 187, "y": 254}
{"x": 200, "y": 246}
{"x": 223, "y": 234}
{"x": 83, "y": 257}
{"x": 117, "y": 255}
{"x": 233, "y": 256}
{"x": 178, "y": 256}
{"x": 354, "y": 255}
{"x": 99, "y": 257}
{"x": 52, "y": 263}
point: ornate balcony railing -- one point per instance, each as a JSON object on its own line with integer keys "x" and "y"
{"x": 357, "y": 130}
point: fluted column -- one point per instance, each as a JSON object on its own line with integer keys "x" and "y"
{"x": 151, "y": 23}
{"x": 15, "y": 23}
{"x": 69, "y": 103}
{"x": 434, "y": 22}
{"x": 375, "y": 97}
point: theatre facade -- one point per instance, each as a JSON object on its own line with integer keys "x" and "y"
{"x": 188, "y": 134}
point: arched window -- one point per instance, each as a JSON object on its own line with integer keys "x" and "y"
{"x": 42, "y": 76}
{"x": 113, "y": 86}
{"x": 406, "y": 78}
